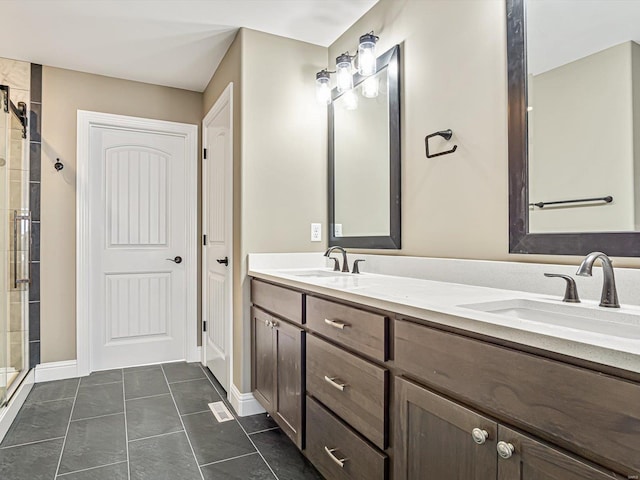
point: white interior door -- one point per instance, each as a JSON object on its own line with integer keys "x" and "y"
{"x": 138, "y": 246}
{"x": 217, "y": 226}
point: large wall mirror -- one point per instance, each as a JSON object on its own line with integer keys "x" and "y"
{"x": 574, "y": 126}
{"x": 364, "y": 159}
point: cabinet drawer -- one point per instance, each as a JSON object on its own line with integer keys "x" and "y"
{"x": 331, "y": 443}
{"x": 351, "y": 387}
{"x": 362, "y": 331}
{"x": 595, "y": 415}
{"x": 281, "y": 301}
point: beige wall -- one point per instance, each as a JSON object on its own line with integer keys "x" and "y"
{"x": 454, "y": 76}
{"x": 64, "y": 92}
{"x": 284, "y": 158}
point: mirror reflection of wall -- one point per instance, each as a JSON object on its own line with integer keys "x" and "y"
{"x": 583, "y": 68}
{"x": 362, "y": 175}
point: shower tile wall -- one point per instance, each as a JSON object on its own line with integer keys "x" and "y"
{"x": 35, "y": 149}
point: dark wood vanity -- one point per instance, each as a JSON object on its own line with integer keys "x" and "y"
{"x": 368, "y": 394}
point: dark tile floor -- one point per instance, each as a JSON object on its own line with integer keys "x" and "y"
{"x": 143, "y": 423}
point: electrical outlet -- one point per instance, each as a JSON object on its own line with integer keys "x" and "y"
{"x": 316, "y": 232}
{"x": 337, "y": 230}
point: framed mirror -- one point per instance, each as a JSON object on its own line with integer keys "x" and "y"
{"x": 574, "y": 126}
{"x": 364, "y": 159}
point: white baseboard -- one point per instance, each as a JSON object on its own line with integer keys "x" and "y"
{"x": 45, "y": 372}
{"x": 195, "y": 355}
{"x": 9, "y": 412}
{"x": 245, "y": 404}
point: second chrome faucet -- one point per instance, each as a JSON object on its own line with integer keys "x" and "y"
{"x": 609, "y": 297}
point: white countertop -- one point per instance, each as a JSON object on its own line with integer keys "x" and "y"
{"x": 440, "y": 302}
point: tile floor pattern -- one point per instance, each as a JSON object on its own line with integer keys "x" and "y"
{"x": 143, "y": 423}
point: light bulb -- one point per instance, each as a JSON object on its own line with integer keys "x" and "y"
{"x": 367, "y": 54}
{"x": 370, "y": 87}
{"x": 350, "y": 100}
{"x": 323, "y": 89}
{"x": 344, "y": 78}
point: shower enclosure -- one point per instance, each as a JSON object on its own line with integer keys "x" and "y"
{"x": 15, "y": 235}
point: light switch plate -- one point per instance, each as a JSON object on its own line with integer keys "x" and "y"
{"x": 337, "y": 230}
{"x": 316, "y": 232}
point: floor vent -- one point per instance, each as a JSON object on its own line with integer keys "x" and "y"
{"x": 220, "y": 411}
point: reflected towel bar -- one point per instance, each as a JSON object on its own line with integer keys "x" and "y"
{"x": 607, "y": 199}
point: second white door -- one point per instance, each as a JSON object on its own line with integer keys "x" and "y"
{"x": 217, "y": 226}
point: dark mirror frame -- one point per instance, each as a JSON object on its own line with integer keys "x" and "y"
{"x": 390, "y": 60}
{"x": 624, "y": 244}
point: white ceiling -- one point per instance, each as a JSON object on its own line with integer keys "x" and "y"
{"x": 561, "y": 31}
{"x": 177, "y": 43}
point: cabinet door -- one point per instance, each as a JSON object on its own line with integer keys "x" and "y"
{"x": 433, "y": 438}
{"x": 263, "y": 372}
{"x": 532, "y": 460}
{"x": 289, "y": 345}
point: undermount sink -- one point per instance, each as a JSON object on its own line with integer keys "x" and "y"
{"x": 587, "y": 319}
{"x": 315, "y": 273}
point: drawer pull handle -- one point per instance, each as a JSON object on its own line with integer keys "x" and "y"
{"x": 336, "y": 323}
{"x": 479, "y": 435}
{"x": 332, "y": 381}
{"x": 337, "y": 461}
{"x": 505, "y": 450}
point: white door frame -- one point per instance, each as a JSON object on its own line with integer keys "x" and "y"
{"x": 226, "y": 97}
{"x": 87, "y": 120}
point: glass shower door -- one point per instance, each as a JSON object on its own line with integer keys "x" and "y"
{"x": 4, "y": 219}
{"x": 15, "y": 236}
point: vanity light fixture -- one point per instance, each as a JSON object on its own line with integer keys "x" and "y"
{"x": 367, "y": 66}
{"x": 323, "y": 87}
{"x": 344, "y": 76}
{"x": 367, "y": 54}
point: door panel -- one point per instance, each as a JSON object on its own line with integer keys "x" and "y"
{"x": 138, "y": 226}
{"x": 532, "y": 460}
{"x": 433, "y": 438}
{"x": 289, "y": 393}
{"x": 217, "y": 221}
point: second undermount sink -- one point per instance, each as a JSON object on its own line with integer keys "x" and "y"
{"x": 315, "y": 273}
{"x": 587, "y": 319}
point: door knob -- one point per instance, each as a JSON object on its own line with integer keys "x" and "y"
{"x": 505, "y": 450}
{"x": 223, "y": 261}
{"x": 177, "y": 259}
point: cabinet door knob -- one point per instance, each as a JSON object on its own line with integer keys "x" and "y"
{"x": 337, "y": 461}
{"x": 267, "y": 323}
{"x": 274, "y": 324}
{"x": 479, "y": 435}
{"x": 505, "y": 450}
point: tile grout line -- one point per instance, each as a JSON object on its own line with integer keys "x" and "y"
{"x": 184, "y": 381}
{"x": 245, "y": 432}
{"x": 97, "y": 416}
{"x": 227, "y": 459}
{"x": 148, "y": 396}
{"x": 156, "y": 436}
{"x": 90, "y": 468}
{"x": 195, "y": 413}
{"x": 265, "y": 430}
{"x": 47, "y": 401}
{"x": 126, "y": 427}
{"x": 185, "y": 429}
{"x": 66, "y": 433}
{"x": 30, "y": 443}
{"x": 87, "y": 385}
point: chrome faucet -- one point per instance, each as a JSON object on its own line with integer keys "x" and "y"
{"x": 609, "y": 296}
{"x": 345, "y": 265}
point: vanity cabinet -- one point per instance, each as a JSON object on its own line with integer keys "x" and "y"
{"x": 278, "y": 365}
{"x": 437, "y": 438}
{"x": 373, "y": 395}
